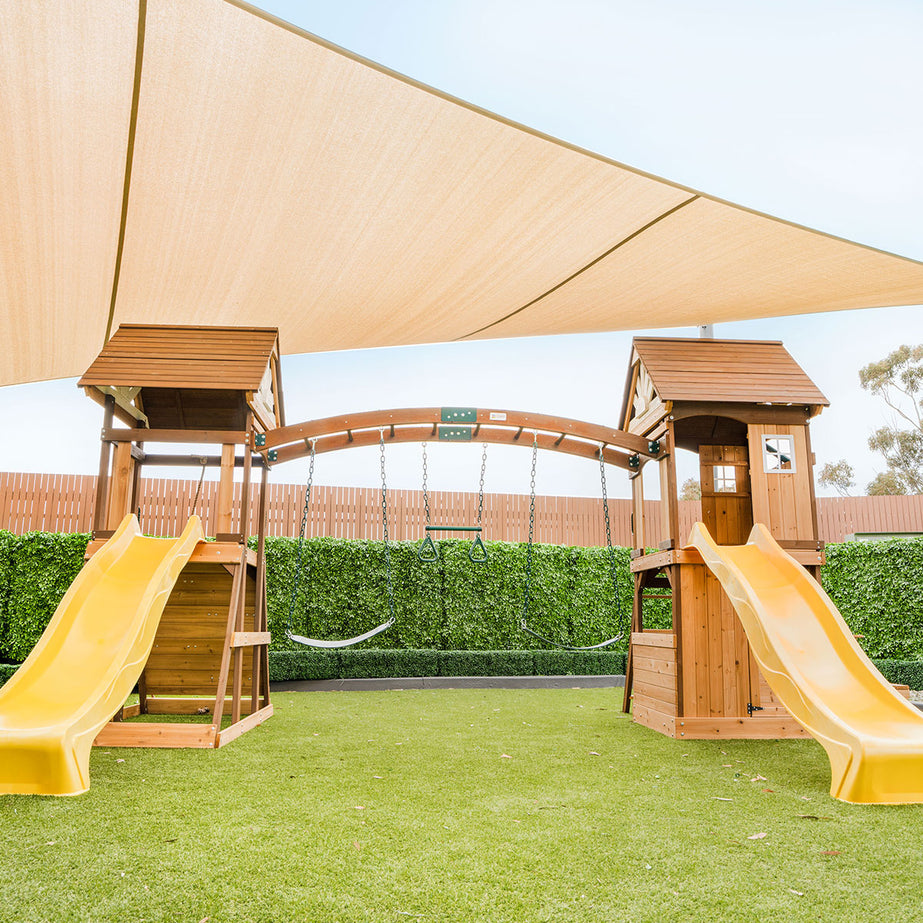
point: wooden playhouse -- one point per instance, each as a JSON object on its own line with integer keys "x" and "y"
{"x": 213, "y": 386}
{"x": 744, "y": 407}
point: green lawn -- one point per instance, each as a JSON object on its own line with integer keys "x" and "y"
{"x": 451, "y": 805}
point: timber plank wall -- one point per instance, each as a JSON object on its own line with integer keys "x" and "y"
{"x": 64, "y": 503}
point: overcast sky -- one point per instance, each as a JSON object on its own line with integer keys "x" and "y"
{"x": 807, "y": 110}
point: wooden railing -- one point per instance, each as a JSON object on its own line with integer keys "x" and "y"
{"x": 64, "y": 503}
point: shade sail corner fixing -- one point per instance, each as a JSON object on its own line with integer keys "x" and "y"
{"x": 202, "y": 162}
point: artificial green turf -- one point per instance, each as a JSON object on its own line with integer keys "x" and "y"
{"x": 459, "y": 805}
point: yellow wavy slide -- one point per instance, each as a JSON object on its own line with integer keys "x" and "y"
{"x": 87, "y": 661}
{"x": 872, "y": 735}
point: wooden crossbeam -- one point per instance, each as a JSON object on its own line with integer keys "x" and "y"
{"x": 250, "y": 638}
{"x": 496, "y": 419}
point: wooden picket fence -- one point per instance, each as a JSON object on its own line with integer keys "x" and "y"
{"x": 64, "y": 503}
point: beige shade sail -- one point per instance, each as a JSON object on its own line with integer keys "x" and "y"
{"x": 198, "y": 162}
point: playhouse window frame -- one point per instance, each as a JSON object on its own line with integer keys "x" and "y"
{"x": 777, "y": 460}
{"x": 724, "y": 479}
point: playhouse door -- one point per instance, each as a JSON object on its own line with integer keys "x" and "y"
{"x": 727, "y": 509}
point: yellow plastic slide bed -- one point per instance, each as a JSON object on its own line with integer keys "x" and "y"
{"x": 87, "y": 661}
{"x": 872, "y": 735}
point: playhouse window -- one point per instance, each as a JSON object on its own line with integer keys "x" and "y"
{"x": 725, "y": 479}
{"x": 778, "y": 453}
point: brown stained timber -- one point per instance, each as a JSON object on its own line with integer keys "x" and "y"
{"x": 491, "y": 435}
{"x": 574, "y": 437}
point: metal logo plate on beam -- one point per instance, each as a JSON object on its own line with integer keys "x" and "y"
{"x": 459, "y": 415}
{"x": 455, "y": 434}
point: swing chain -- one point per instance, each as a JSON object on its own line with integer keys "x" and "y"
{"x": 307, "y": 494}
{"x": 525, "y": 599}
{"x": 613, "y": 569}
{"x": 384, "y": 520}
{"x": 195, "y": 502}
{"x": 301, "y": 535}
{"x": 425, "y": 491}
{"x": 481, "y": 484}
{"x": 602, "y": 479}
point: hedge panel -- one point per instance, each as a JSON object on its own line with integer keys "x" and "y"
{"x": 42, "y": 566}
{"x": 878, "y": 588}
{"x": 455, "y": 604}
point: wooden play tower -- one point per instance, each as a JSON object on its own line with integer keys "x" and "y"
{"x": 221, "y": 387}
{"x": 744, "y": 407}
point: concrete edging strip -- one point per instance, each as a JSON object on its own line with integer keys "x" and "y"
{"x": 451, "y": 682}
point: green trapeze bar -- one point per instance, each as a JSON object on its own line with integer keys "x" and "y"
{"x": 453, "y": 528}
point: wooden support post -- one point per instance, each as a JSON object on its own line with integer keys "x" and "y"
{"x": 224, "y": 506}
{"x": 669, "y": 494}
{"x": 671, "y": 490}
{"x": 259, "y": 610}
{"x": 673, "y": 574}
{"x": 135, "y": 499}
{"x": 243, "y": 525}
{"x": 102, "y": 481}
{"x": 239, "y": 651}
{"x": 637, "y": 624}
{"x": 120, "y": 485}
{"x": 809, "y": 455}
{"x": 238, "y": 597}
{"x": 638, "y": 530}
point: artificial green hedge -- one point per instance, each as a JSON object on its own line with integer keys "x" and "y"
{"x": 878, "y": 587}
{"x": 390, "y": 662}
{"x": 356, "y": 664}
{"x": 452, "y": 604}
{"x": 35, "y": 571}
{"x": 455, "y": 605}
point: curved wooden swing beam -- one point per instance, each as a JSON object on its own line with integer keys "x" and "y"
{"x": 555, "y": 434}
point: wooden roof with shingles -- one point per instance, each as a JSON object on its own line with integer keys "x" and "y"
{"x": 732, "y": 371}
{"x": 214, "y": 358}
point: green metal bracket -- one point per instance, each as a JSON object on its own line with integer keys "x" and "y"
{"x": 459, "y": 415}
{"x": 654, "y": 446}
{"x": 455, "y": 434}
{"x": 260, "y": 440}
{"x": 272, "y": 455}
{"x": 634, "y": 462}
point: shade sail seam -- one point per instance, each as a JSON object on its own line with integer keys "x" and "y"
{"x": 583, "y": 269}
{"x": 129, "y": 158}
